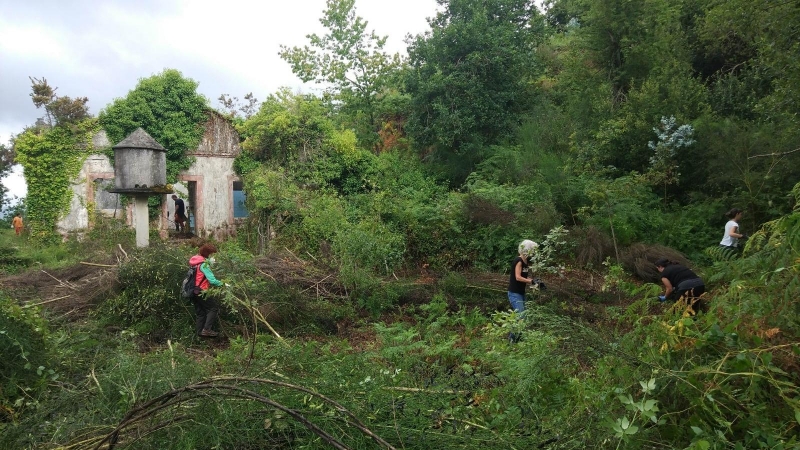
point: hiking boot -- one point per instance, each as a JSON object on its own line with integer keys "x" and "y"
{"x": 209, "y": 333}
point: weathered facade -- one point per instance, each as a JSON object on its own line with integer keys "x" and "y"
{"x": 210, "y": 188}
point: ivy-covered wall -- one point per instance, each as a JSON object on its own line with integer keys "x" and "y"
{"x": 51, "y": 159}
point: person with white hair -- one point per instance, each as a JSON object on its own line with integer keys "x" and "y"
{"x": 520, "y": 276}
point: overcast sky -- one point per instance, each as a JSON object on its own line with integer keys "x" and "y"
{"x": 100, "y": 48}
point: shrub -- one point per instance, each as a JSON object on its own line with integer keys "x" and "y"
{"x": 592, "y": 246}
{"x": 25, "y": 354}
{"x": 149, "y": 290}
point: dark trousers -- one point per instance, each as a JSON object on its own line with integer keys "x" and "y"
{"x": 206, "y": 307}
{"x": 691, "y": 294}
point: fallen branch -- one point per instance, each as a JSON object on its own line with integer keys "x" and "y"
{"x": 427, "y": 391}
{"x": 46, "y": 301}
{"x": 175, "y": 398}
{"x": 122, "y": 250}
{"x": 775, "y": 153}
{"x": 62, "y": 283}
{"x": 95, "y": 264}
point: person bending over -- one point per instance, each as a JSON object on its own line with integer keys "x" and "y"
{"x": 680, "y": 281}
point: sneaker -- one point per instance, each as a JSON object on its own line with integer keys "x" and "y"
{"x": 209, "y": 333}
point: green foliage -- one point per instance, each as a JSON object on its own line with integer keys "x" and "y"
{"x": 352, "y": 61}
{"x": 287, "y": 127}
{"x": 369, "y": 245}
{"x": 168, "y": 107}
{"x": 26, "y": 365}
{"x": 52, "y": 159}
{"x": 468, "y": 75}
{"x": 149, "y": 297}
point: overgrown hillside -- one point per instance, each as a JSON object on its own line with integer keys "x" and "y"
{"x": 367, "y": 303}
{"x": 100, "y": 353}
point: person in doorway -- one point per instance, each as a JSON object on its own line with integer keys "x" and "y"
{"x": 180, "y": 214}
{"x": 730, "y": 240}
{"x": 206, "y": 305}
{"x": 680, "y": 281}
{"x": 16, "y": 224}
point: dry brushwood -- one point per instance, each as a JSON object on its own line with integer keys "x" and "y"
{"x": 592, "y": 246}
{"x": 288, "y": 270}
{"x": 70, "y": 292}
{"x": 170, "y": 409}
{"x": 640, "y": 259}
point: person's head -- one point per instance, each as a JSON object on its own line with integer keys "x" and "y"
{"x": 206, "y": 250}
{"x": 662, "y": 263}
{"x": 527, "y": 248}
{"x": 734, "y": 214}
{"x": 174, "y": 197}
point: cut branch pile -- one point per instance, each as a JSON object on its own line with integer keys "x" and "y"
{"x": 287, "y": 269}
{"x": 69, "y": 292}
{"x": 175, "y": 407}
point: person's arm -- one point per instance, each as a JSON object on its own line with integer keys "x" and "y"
{"x": 518, "y": 273}
{"x": 206, "y": 269}
{"x": 668, "y": 286}
{"x": 735, "y": 232}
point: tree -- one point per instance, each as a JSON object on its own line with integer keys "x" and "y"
{"x": 233, "y": 106}
{"x": 469, "y": 75}
{"x": 168, "y": 107}
{"x": 286, "y": 128}
{"x": 6, "y": 161}
{"x": 59, "y": 110}
{"x": 52, "y": 156}
{"x": 351, "y": 60}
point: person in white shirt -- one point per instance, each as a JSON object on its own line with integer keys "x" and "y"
{"x": 732, "y": 234}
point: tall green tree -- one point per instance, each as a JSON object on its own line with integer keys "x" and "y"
{"x": 169, "y": 108}
{"x": 469, "y": 79}
{"x": 352, "y": 61}
{"x": 288, "y": 127}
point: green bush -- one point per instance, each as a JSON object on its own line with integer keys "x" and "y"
{"x": 149, "y": 290}
{"x": 26, "y": 361}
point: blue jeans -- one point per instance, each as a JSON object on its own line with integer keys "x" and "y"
{"x": 517, "y": 301}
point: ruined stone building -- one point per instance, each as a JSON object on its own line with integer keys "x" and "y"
{"x": 210, "y": 188}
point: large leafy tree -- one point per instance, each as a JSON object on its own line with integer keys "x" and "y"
{"x": 168, "y": 107}
{"x": 288, "y": 127}
{"x": 469, "y": 75}
{"x": 352, "y": 61}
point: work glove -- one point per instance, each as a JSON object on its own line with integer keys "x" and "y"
{"x": 662, "y": 298}
{"x": 745, "y": 236}
{"x": 538, "y": 284}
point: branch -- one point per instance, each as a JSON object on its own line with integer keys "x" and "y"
{"x": 775, "y": 154}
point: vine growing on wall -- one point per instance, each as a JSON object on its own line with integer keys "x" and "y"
{"x": 52, "y": 159}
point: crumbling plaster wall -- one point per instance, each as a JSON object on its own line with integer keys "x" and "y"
{"x": 96, "y": 166}
{"x": 213, "y": 209}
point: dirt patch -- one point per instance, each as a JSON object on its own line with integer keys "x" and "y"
{"x": 69, "y": 292}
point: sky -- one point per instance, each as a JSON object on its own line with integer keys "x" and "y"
{"x": 100, "y": 48}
